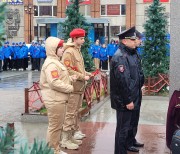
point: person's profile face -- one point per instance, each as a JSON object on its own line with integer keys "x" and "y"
{"x": 79, "y": 41}
{"x": 60, "y": 51}
{"x": 131, "y": 43}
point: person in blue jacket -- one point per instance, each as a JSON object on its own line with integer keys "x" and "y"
{"x": 103, "y": 57}
{"x": 13, "y": 56}
{"x": 95, "y": 52}
{"x": 111, "y": 49}
{"x": 25, "y": 56}
{"x": 117, "y": 44}
{"x": 35, "y": 56}
{"x": 16, "y": 50}
{"x": 7, "y": 57}
{"x": 1, "y": 58}
{"x": 42, "y": 55}
{"x": 20, "y": 56}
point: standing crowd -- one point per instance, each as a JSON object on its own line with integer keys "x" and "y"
{"x": 102, "y": 53}
{"x": 16, "y": 56}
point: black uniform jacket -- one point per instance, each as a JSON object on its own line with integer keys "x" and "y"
{"x": 126, "y": 78}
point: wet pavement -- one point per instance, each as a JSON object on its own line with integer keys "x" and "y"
{"x": 99, "y": 126}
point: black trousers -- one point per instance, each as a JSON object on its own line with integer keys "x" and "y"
{"x": 122, "y": 128}
{"x": 110, "y": 57}
{"x": 1, "y": 61}
{"x": 134, "y": 121}
{"x": 25, "y": 63}
{"x": 7, "y": 63}
{"x": 19, "y": 63}
{"x": 134, "y": 124}
{"x": 104, "y": 64}
{"x": 36, "y": 64}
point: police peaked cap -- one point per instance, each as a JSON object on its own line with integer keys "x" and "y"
{"x": 139, "y": 35}
{"x": 128, "y": 34}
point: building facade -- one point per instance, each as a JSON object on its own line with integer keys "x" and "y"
{"x": 28, "y": 20}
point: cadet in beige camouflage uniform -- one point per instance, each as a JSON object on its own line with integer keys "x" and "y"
{"x": 55, "y": 84}
{"x": 74, "y": 62}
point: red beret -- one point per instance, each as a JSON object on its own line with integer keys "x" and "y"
{"x": 78, "y": 32}
{"x": 60, "y": 44}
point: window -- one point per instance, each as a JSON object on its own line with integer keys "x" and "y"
{"x": 36, "y": 10}
{"x": 113, "y": 9}
{"x": 88, "y": 10}
{"x": 123, "y": 9}
{"x": 114, "y": 30}
{"x": 103, "y": 9}
{"x": 54, "y": 10}
{"x": 45, "y": 10}
{"x": 85, "y": 10}
{"x": 35, "y": 31}
{"x": 82, "y": 9}
{"x": 123, "y": 28}
{"x": 42, "y": 31}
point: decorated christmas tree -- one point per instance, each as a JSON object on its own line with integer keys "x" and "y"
{"x": 155, "y": 59}
{"x": 76, "y": 20}
{"x": 2, "y": 17}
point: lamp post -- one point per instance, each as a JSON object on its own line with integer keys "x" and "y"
{"x": 29, "y": 9}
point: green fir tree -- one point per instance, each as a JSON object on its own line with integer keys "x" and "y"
{"x": 2, "y": 18}
{"x": 76, "y": 20}
{"x": 155, "y": 59}
{"x": 8, "y": 142}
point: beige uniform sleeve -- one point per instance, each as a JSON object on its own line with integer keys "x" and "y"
{"x": 88, "y": 73}
{"x": 53, "y": 78}
{"x": 68, "y": 62}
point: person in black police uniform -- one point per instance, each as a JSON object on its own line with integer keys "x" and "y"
{"x": 125, "y": 88}
{"x": 132, "y": 142}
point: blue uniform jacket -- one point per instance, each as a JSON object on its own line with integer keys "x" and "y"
{"x": 36, "y": 52}
{"x": 25, "y": 51}
{"x": 20, "y": 53}
{"x": 111, "y": 49}
{"x": 42, "y": 52}
{"x": 7, "y": 52}
{"x": 103, "y": 54}
{"x": 16, "y": 50}
{"x": 1, "y": 54}
{"x": 95, "y": 51}
{"x": 13, "y": 54}
{"x": 31, "y": 48}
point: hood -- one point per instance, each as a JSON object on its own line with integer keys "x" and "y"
{"x": 69, "y": 44}
{"x": 51, "y": 45}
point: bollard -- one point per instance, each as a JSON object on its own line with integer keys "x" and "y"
{"x": 26, "y": 100}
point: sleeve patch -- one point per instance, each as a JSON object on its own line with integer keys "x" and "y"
{"x": 67, "y": 63}
{"x": 74, "y": 68}
{"x": 54, "y": 74}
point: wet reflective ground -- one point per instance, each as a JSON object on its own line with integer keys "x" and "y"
{"x": 12, "y": 93}
{"x": 99, "y": 126}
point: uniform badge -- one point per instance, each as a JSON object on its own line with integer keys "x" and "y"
{"x": 54, "y": 74}
{"x": 121, "y": 68}
{"x": 67, "y": 63}
{"x": 74, "y": 68}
